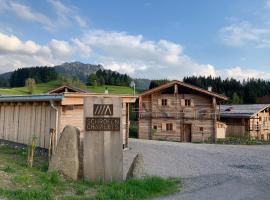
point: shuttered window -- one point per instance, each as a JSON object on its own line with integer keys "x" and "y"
{"x": 187, "y": 102}
{"x": 164, "y": 102}
{"x": 169, "y": 127}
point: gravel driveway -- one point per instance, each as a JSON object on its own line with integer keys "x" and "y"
{"x": 218, "y": 172}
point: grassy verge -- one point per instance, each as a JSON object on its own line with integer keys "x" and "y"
{"x": 18, "y": 182}
{"x": 244, "y": 141}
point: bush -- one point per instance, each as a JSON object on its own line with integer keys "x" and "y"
{"x": 133, "y": 131}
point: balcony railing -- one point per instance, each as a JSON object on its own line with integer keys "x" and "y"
{"x": 185, "y": 114}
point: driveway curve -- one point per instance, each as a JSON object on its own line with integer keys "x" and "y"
{"x": 208, "y": 171}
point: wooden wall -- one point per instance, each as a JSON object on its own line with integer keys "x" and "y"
{"x": 199, "y": 115}
{"x": 71, "y": 115}
{"x": 255, "y": 127}
{"x": 19, "y": 122}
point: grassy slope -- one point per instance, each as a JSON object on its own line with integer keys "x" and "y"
{"x": 18, "y": 182}
{"x": 45, "y": 87}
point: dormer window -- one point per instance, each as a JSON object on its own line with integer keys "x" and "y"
{"x": 164, "y": 102}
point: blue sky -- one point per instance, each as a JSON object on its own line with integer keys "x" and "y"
{"x": 144, "y": 38}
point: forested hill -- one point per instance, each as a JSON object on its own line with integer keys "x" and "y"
{"x": 71, "y": 72}
{"x": 246, "y": 91}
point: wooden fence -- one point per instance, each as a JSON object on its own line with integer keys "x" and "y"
{"x": 19, "y": 122}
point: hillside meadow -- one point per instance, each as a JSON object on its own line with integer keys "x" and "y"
{"x": 45, "y": 87}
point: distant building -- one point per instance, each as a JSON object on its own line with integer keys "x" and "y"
{"x": 247, "y": 120}
{"x": 23, "y": 116}
{"x": 178, "y": 111}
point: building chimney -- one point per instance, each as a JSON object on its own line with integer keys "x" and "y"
{"x": 209, "y": 88}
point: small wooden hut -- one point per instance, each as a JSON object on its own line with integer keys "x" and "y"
{"x": 22, "y": 117}
{"x": 247, "y": 120}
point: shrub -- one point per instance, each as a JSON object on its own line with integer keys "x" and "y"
{"x": 133, "y": 131}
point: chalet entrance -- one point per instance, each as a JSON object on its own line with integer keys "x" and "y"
{"x": 187, "y": 133}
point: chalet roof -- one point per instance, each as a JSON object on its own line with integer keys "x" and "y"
{"x": 241, "y": 110}
{"x": 67, "y": 88}
{"x": 192, "y": 87}
{"x": 31, "y": 98}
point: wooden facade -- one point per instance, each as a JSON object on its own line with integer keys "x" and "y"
{"x": 180, "y": 112}
{"x": 20, "y": 121}
{"x": 22, "y": 117}
{"x": 250, "y": 121}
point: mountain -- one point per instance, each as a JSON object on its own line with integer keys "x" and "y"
{"x": 77, "y": 69}
{"x": 72, "y": 69}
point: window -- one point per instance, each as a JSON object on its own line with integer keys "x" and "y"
{"x": 164, "y": 102}
{"x": 187, "y": 102}
{"x": 201, "y": 128}
{"x": 169, "y": 127}
{"x": 155, "y": 127}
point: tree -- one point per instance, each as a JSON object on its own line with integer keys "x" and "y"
{"x": 40, "y": 74}
{"x": 30, "y": 84}
{"x": 235, "y": 98}
{"x": 156, "y": 83}
{"x": 92, "y": 80}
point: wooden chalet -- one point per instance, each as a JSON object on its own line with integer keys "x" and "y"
{"x": 178, "y": 111}
{"x": 23, "y": 116}
{"x": 247, "y": 120}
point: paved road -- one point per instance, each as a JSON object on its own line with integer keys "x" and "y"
{"x": 209, "y": 172}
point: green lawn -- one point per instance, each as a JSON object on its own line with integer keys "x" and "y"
{"x": 18, "y": 182}
{"x": 45, "y": 87}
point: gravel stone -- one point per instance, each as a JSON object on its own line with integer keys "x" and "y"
{"x": 208, "y": 171}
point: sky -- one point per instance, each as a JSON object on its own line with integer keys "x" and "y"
{"x": 143, "y": 38}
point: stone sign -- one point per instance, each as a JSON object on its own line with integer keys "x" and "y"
{"x": 103, "y": 143}
{"x": 102, "y": 124}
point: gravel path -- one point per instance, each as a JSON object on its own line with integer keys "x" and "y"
{"x": 217, "y": 172}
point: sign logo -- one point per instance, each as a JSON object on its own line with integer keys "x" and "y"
{"x": 103, "y": 109}
{"x": 102, "y": 124}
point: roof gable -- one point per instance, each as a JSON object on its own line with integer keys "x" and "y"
{"x": 66, "y": 88}
{"x": 170, "y": 84}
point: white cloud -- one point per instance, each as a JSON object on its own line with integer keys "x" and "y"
{"x": 241, "y": 73}
{"x": 65, "y": 15}
{"x": 16, "y": 53}
{"x": 241, "y": 33}
{"x": 135, "y": 55}
{"x": 61, "y": 49}
{"x": 120, "y": 51}
{"x": 244, "y": 33}
{"x": 81, "y": 22}
{"x": 82, "y": 49}
{"x": 26, "y": 13}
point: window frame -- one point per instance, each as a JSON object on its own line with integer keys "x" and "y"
{"x": 169, "y": 126}
{"x": 187, "y": 102}
{"x": 164, "y": 102}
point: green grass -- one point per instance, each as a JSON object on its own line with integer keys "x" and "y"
{"x": 19, "y": 182}
{"x": 111, "y": 88}
{"x": 45, "y": 87}
{"x": 241, "y": 141}
{"x": 150, "y": 187}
